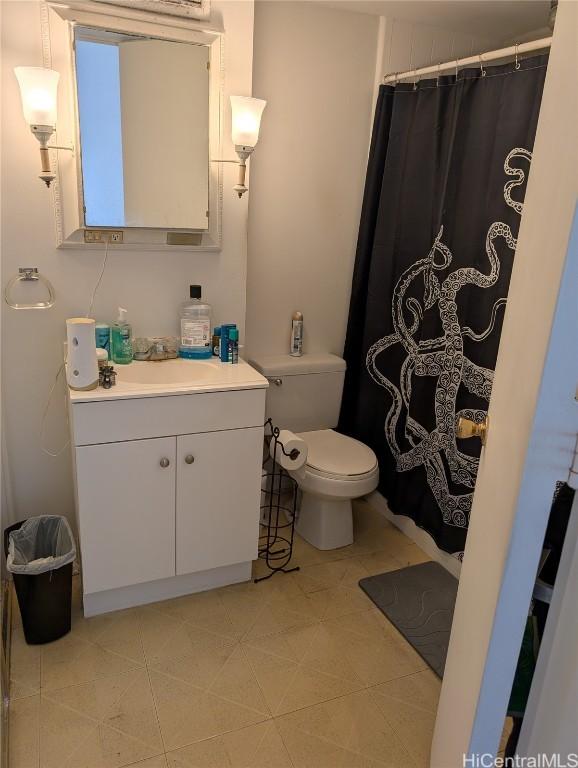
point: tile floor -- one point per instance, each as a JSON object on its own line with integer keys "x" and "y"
{"x": 300, "y": 671}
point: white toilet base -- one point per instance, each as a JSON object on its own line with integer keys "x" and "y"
{"x": 325, "y": 523}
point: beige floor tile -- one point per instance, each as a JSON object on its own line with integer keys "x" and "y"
{"x": 199, "y": 668}
{"x": 339, "y": 601}
{"x": 74, "y": 660}
{"x": 506, "y": 731}
{"x": 24, "y": 732}
{"x": 204, "y": 610}
{"x": 224, "y": 672}
{"x": 236, "y": 682}
{"x": 288, "y": 681}
{"x": 118, "y": 632}
{"x": 366, "y": 517}
{"x": 300, "y": 647}
{"x": 305, "y": 554}
{"x": 153, "y": 762}
{"x": 376, "y": 652}
{"x": 259, "y": 746}
{"x": 409, "y": 705}
{"x": 411, "y": 554}
{"x": 274, "y": 675}
{"x": 108, "y": 723}
{"x": 291, "y": 644}
{"x": 327, "y": 653}
{"x": 187, "y": 714}
{"x": 274, "y": 619}
{"x": 309, "y": 687}
{"x": 165, "y": 637}
{"x": 343, "y": 733}
{"x": 379, "y": 562}
{"x": 24, "y": 666}
{"x": 385, "y": 538}
{"x": 345, "y": 572}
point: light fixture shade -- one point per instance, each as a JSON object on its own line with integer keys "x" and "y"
{"x": 246, "y": 119}
{"x": 38, "y": 88}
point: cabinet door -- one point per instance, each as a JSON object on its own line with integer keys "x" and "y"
{"x": 126, "y": 510}
{"x": 218, "y": 498}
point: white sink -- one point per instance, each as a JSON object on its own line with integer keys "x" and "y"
{"x": 174, "y": 377}
{"x": 167, "y": 372}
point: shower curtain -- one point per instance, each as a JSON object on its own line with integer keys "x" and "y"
{"x": 447, "y": 173}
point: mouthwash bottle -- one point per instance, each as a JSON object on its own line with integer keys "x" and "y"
{"x": 195, "y": 327}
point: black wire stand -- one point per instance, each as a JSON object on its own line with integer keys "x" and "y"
{"x": 278, "y": 508}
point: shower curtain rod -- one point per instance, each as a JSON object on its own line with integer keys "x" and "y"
{"x": 478, "y": 59}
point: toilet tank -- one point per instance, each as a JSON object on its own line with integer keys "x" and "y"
{"x": 304, "y": 392}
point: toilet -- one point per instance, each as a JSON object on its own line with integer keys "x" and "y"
{"x": 304, "y": 396}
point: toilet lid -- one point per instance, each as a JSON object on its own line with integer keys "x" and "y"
{"x": 336, "y": 454}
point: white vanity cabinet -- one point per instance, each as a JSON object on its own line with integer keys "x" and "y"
{"x": 168, "y": 492}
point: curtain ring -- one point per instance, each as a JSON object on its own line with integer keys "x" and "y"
{"x": 482, "y": 70}
{"x": 457, "y": 64}
{"x": 438, "y": 77}
{"x": 415, "y": 81}
{"x": 517, "y": 65}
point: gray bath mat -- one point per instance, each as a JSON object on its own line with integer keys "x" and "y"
{"x": 419, "y": 601}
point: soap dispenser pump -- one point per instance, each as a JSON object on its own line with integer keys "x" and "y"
{"x": 121, "y": 339}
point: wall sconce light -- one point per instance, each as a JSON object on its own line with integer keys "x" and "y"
{"x": 38, "y": 91}
{"x": 246, "y": 120}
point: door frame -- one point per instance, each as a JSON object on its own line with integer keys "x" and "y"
{"x": 533, "y": 417}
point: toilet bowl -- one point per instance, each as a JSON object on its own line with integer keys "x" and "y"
{"x": 338, "y": 469}
{"x": 304, "y": 396}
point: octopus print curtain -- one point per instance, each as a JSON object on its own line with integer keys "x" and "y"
{"x": 446, "y": 179}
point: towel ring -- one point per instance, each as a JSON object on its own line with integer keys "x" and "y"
{"x": 29, "y": 274}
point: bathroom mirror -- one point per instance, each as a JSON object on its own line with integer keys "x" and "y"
{"x": 140, "y": 102}
{"x": 143, "y": 111}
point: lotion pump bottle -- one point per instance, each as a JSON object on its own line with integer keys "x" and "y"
{"x": 121, "y": 339}
{"x": 296, "y": 335}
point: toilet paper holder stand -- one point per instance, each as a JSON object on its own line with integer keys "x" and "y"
{"x": 278, "y": 509}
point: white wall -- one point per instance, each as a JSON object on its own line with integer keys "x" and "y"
{"x": 315, "y": 66}
{"x": 409, "y": 46}
{"x": 319, "y": 67}
{"x": 149, "y": 284}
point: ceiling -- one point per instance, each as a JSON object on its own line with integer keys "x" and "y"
{"x": 507, "y": 18}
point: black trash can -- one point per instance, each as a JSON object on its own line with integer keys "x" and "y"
{"x": 44, "y": 598}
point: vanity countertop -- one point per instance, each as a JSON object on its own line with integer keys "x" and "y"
{"x": 174, "y": 377}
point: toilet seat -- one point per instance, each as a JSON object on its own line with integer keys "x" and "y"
{"x": 332, "y": 455}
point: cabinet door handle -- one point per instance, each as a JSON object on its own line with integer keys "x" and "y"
{"x": 189, "y": 458}
{"x": 164, "y": 463}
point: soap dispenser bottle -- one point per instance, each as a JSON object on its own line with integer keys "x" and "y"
{"x": 121, "y": 339}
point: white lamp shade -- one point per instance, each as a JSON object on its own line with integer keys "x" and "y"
{"x": 38, "y": 88}
{"x": 246, "y": 119}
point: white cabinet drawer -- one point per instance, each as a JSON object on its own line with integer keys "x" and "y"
{"x": 147, "y": 417}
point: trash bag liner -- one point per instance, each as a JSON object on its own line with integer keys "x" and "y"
{"x": 41, "y": 544}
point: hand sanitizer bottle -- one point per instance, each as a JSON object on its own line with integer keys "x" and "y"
{"x": 121, "y": 339}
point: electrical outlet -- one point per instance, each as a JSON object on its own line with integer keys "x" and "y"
{"x": 102, "y": 235}
{"x": 93, "y": 236}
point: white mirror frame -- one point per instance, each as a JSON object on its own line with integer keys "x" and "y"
{"x": 57, "y": 24}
